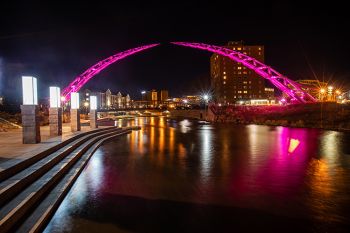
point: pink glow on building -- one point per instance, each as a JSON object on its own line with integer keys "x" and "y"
{"x": 79, "y": 81}
{"x": 292, "y": 89}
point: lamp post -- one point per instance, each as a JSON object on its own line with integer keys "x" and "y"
{"x": 93, "y": 112}
{"x": 206, "y": 99}
{"x": 55, "y": 112}
{"x": 74, "y": 112}
{"x": 29, "y": 111}
{"x": 142, "y": 96}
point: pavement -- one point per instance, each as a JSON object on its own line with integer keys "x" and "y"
{"x": 12, "y": 148}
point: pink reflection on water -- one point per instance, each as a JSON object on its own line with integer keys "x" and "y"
{"x": 277, "y": 163}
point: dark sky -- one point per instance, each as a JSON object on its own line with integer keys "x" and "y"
{"x": 57, "y": 41}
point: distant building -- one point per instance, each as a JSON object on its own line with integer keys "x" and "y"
{"x": 163, "y": 95}
{"x": 105, "y": 100}
{"x": 269, "y": 93}
{"x": 152, "y": 98}
{"x": 1, "y": 100}
{"x": 231, "y": 81}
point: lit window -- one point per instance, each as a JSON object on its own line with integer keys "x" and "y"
{"x": 245, "y": 82}
{"x": 224, "y": 72}
{"x": 224, "y": 82}
{"x": 239, "y": 48}
{"x": 259, "y": 48}
{"x": 239, "y": 91}
{"x": 259, "y": 53}
{"x": 245, "y": 92}
{"x": 234, "y": 97}
{"x": 224, "y": 77}
{"x": 239, "y": 68}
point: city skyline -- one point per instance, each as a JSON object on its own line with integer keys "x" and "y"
{"x": 42, "y": 49}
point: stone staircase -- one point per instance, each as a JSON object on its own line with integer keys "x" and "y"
{"x": 31, "y": 190}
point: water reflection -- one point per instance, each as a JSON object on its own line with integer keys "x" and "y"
{"x": 299, "y": 173}
{"x": 206, "y": 155}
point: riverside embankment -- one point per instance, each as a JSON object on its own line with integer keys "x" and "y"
{"x": 319, "y": 115}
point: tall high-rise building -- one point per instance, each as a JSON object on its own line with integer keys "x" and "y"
{"x": 232, "y": 81}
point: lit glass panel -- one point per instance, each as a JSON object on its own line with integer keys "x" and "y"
{"x": 55, "y": 97}
{"x": 75, "y": 100}
{"x": 93, "y": 102}
{"x": 30, "y": 91}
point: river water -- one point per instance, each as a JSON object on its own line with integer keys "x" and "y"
{"x": 183, "y": 176}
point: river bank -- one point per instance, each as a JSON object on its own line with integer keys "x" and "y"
{"x": 329, "y": 116}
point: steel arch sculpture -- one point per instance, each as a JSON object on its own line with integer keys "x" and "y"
{"x": 79, "y": 81}
{"x": 289, "y": 87}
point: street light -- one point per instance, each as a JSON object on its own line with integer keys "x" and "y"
{"x": 142, "y": 94}
{"x": 206, "y": 98}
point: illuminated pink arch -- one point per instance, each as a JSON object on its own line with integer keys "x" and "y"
{"x": 287, "y": 86}
{"x": 79, "y": 81}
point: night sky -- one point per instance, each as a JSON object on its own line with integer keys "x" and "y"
{"x": 57, "y": 41}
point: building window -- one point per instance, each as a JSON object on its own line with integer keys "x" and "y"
{"x": 259, "y": 48}
{"x": 224, "y": 72}
{"x": 244, "y": 82}
{"x": 245, "y": 92}
{"x": 239, "y": 48}
{"x": 234, "y": 97}
{"x": 239, "y": 68}
{"x": 224, "y": 77}
{"x": 224, "y": 82}
{"x": 244, "y": 87}
{"x": 239, "y": 91}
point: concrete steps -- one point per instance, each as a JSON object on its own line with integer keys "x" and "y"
{"x": 36, "y": 191}
{"x": 12, "y": 168}
{"x": 10, "y": 187}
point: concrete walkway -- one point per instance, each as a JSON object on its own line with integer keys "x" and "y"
{"x": 12, "y": 150}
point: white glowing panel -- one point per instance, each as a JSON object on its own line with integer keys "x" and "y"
{"x": 93, "y": 102}
{"x": 30, "y": 91}
{"x": 55, "y": 97}
{"x": 74, "y": 100}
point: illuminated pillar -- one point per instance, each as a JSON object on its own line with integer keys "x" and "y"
{"x": 93, "y": 112}
{"x": 74, "y": 112}
{"x": 29, "y": 111}
{"x": 55, "y": 112}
